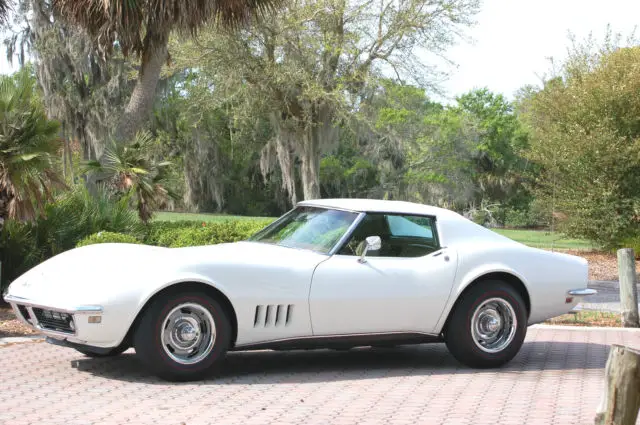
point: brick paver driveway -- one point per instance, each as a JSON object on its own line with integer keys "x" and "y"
{"x": 556, "y": 379}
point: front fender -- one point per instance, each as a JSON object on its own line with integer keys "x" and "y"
{"x": 141, "y": 299}
{"x": 187, "y": 277}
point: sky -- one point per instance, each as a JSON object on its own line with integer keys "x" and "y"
{"x": 513, "y": 39}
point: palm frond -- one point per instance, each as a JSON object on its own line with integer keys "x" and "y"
{"x": 28, "y": 150}
{"x": 5, "y": 9}
{"x": 137, "y": 23}
{"x": 134, "y": 173}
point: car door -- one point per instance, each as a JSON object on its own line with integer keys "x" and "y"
{"x": 401, "y": 288}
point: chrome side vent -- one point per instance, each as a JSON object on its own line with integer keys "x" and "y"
{"x": 289, "y": 313}
{"x": 273, "y": 315}
{"x": 268, "y": 316}
{"x": 257, "y": 317}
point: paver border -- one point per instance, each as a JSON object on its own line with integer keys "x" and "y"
{"x": 584, "y": 328}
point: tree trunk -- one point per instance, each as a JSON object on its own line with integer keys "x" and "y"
{"x": 310, "y": 170}
{"x": 628, "y": 288}
{"x": 621, "y": 397}
{"x": 286, "y": 161}
{"x": 63, "y": 134}
{"x": 67, "y": 143}
{"x": 322, "y": 135}
{"x": 281, "y": 151}
{"x": 138, "y": 110}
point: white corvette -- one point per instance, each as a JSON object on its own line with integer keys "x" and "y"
{"x": 328, "y": 274}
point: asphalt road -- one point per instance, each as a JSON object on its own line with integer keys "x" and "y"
{"x": 607, "y": 298}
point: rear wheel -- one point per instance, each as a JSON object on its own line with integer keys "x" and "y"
{"x": 487, "y": 326}
{"x": 183, "y": 336}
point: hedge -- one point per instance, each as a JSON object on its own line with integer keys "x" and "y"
{"x": 107, "y": 237}
{"x": 168, "y": 234}
{"x": 175, "y": 234}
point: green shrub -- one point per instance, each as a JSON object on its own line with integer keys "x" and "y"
{"x": 523, "y": 218}
{"x": 632, "y": 242}
{"x": 208, "y": 233}
{"x": 18, "y": 250}
{"x": 157, "y": 232}
{"x": 107, "y": 237}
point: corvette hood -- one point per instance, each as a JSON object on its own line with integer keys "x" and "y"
{"x": 95, "y": 273}
{"x": 84, "y": 273}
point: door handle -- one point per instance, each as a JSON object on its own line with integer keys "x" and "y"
{"x": 439, "y": 253}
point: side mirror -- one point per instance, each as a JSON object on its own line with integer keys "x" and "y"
{"x": 372, "y": 243}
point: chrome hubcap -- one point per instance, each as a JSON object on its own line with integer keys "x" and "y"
{"x": 188, "y": 333}
{"x": 493, "y": 325}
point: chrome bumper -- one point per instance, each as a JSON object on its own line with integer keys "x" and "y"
{"x": 582, "y": 292}
{"x": 24, "y": 309}
{"x": 81, "y": 309}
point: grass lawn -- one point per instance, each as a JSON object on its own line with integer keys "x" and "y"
{"x": 535, "y": 238}
{"x": 588, "y": 318}
{"x": 544, "y": 239}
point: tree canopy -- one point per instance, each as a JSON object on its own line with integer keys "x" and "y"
{"x": 309, "y": 69}
{"x": 329, "y": 98}
{"x": 142, "y": 28}
{"x": 585, "y": 128}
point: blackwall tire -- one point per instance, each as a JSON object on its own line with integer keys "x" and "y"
{"x": 488, "y": 325}
{"x": 183, "y": 336}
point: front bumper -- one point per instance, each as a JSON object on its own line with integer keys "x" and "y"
{"x": 59, "y": 322}
{"x": 81, "y": 347}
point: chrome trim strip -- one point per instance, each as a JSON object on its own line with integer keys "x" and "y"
{"x": 81, "y": 309}
{"x": 20, "y": 316}
{"x": 319, "y": 337}
{"x": 49, "y": 332}
{"x": 32, "y": 316}
{"x": 326, "y": 207}
{"x": 347, "y": 234}
{"x": 88, "y": 309}
{"x": 582, "y": 292}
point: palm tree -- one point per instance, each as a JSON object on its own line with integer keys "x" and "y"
{"x": 133, "y": 173}
{"x": 5, "y": 8}
{"x": 28, "y": 150}
{"x": 142, "y": 28}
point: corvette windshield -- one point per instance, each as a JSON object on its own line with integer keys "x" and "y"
{"x": 316, "y": 229}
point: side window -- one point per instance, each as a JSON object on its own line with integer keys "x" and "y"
{"x": 371, "y": 225}
{"x": 410, "y": 226}
{"x": 402, "y": 235}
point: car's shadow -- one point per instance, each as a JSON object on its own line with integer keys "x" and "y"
{"x": 270, "y": 367}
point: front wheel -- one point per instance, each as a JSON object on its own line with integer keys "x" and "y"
{"x": 181, "y": 337}
{"x": 487, "y": 326}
